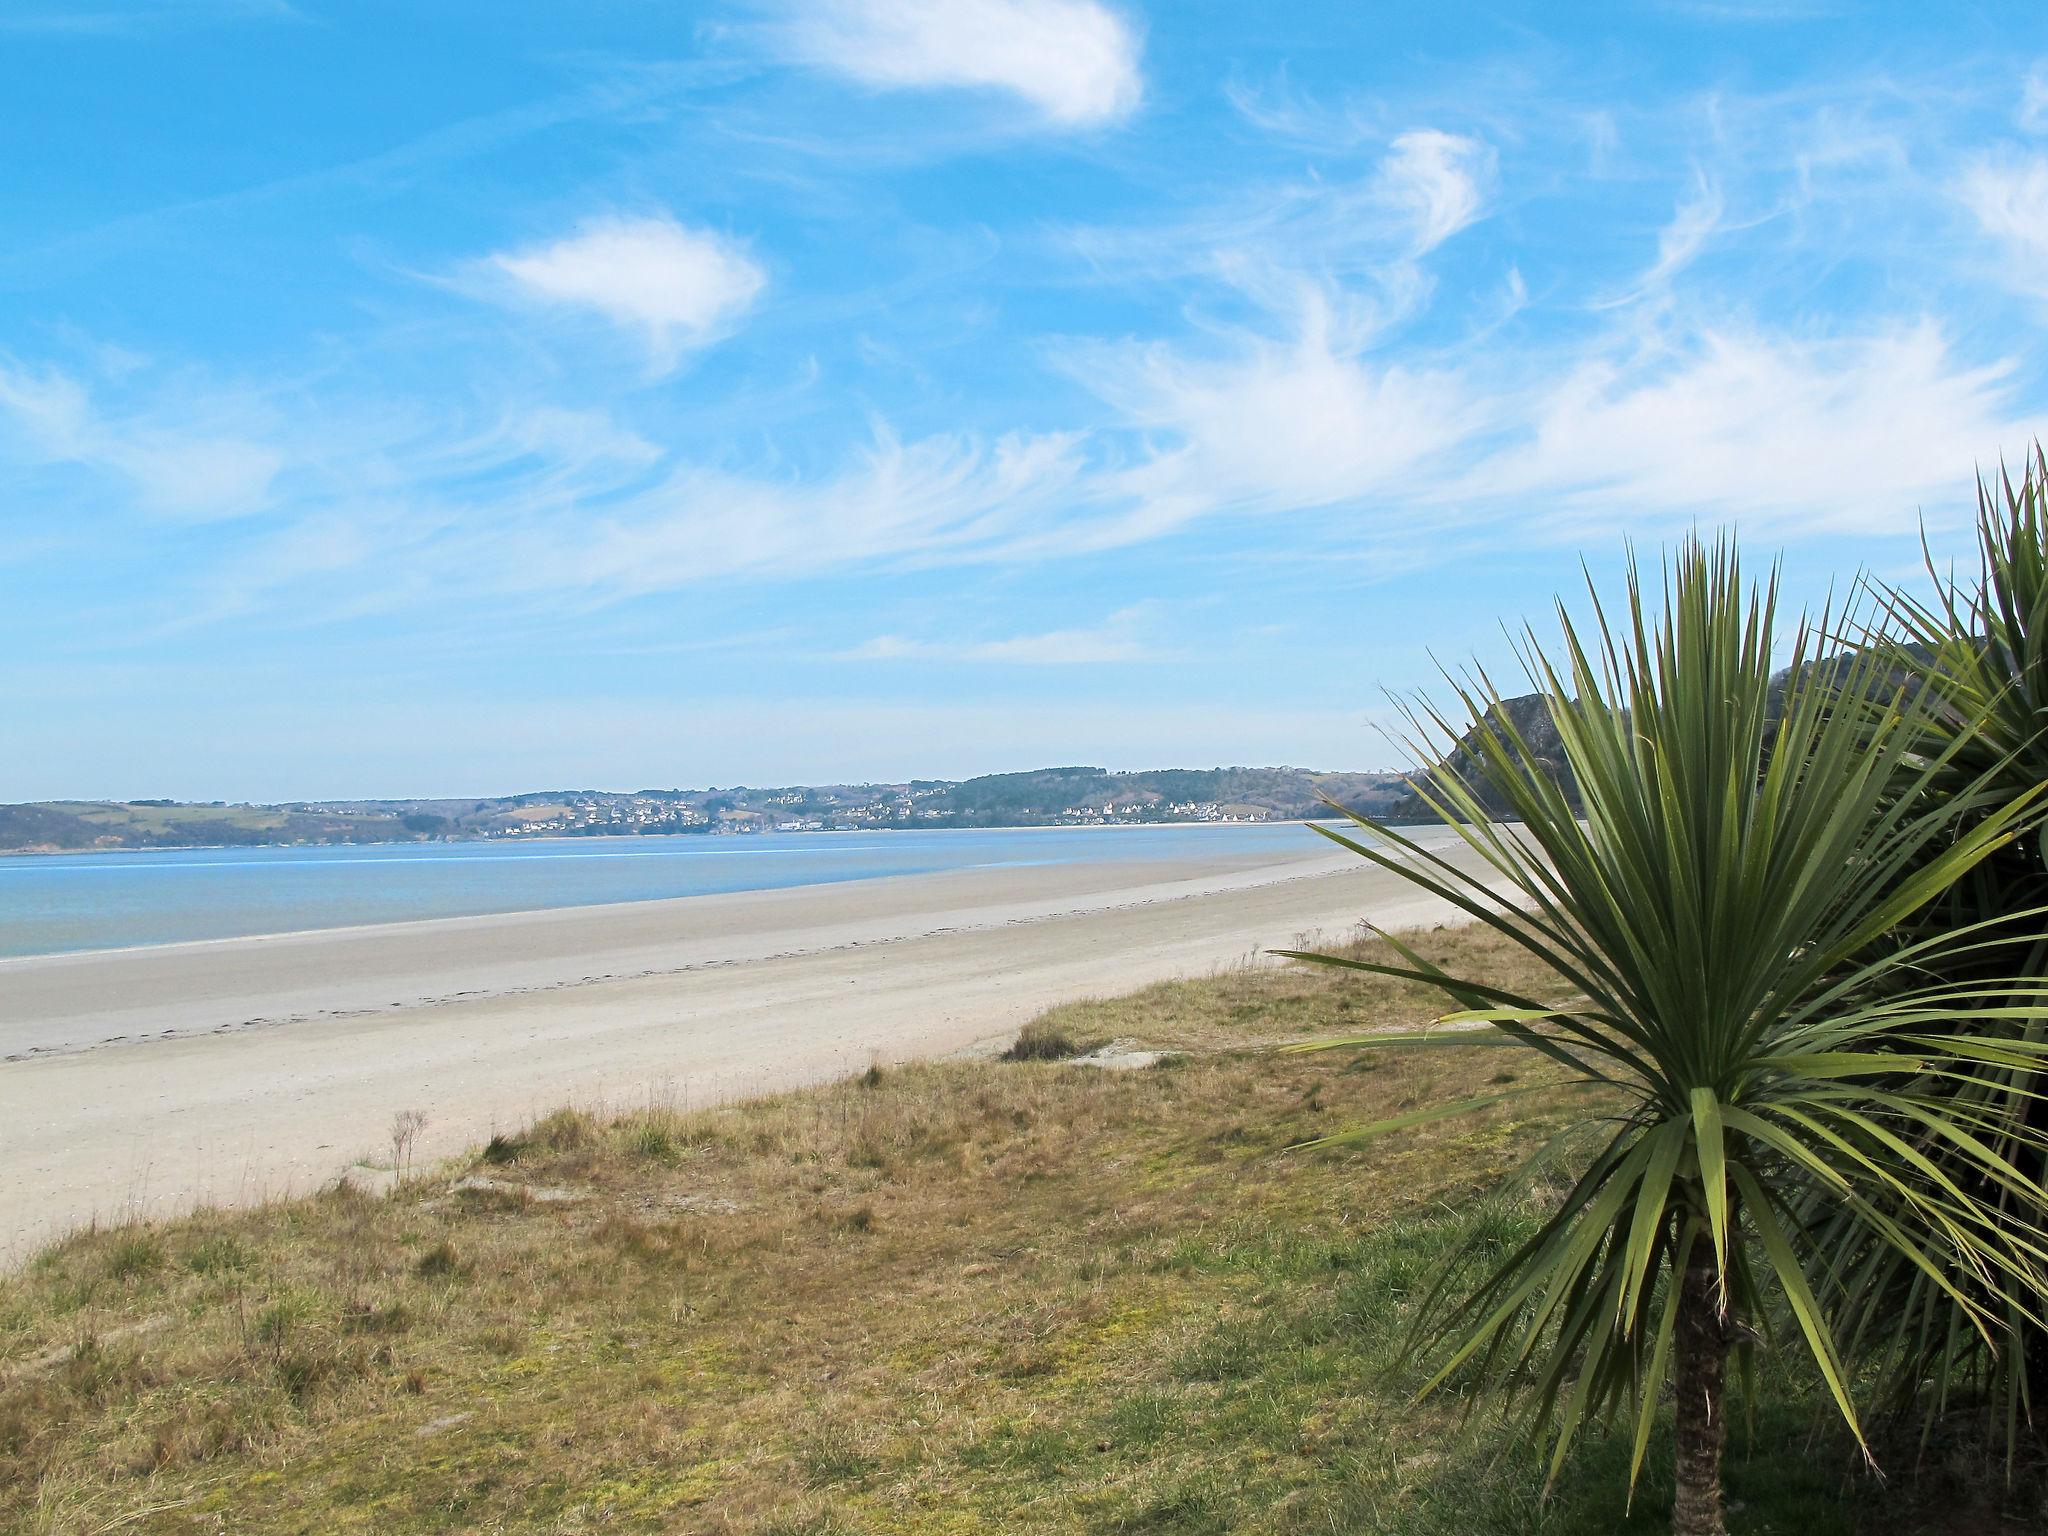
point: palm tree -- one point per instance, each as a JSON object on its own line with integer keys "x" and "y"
{"x": 1979, "y": 652}
{"x": 1715, "y": 898}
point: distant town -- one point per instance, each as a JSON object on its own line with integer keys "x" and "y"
{"x": 1064, "y": 797}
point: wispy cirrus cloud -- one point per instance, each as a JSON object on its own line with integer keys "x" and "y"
{"x": 1367, "y": 220}
{"x": 179, "y": 460}
{"x": 2008, "y": 196}
{"x": 676, "y": 287}
{"x": 1302, "y": 418}
{"x": 2033, "y": 110}
{"x": 1304, "y": 367}
{"x": 1439, "y": 179}
{"x": 938, "y": 499}
{"x": 1122, "y": 637}
{"x": 1854, "y": 433}
{"x": 1697, "y": 216}
{"x": 1075, "y": 62}
{"x": 1659, "y": 422}
{"x": 551, "y": 510}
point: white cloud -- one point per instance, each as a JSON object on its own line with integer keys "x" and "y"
{"x": 678, "y": 287}
{"x": 1074, "y": 61}
{"x": 1272, "y": 425}
{"x": 1355, "y": 242}
{"x": 2033, "y": 113}
{"x": 1119, "y": 638}
{"x": 1679, "y": 241}
{"x": 577, "y": 438}
{"x": 1440, "y": 179}
{"x": 1693, "y": 222}
{"x": 2010, "y": 200}
{"x": 179, "y": 464}
{"x": 941, "y": 498}
{"x": 1285, "y": 114}
{"x": 1857, "y": 434}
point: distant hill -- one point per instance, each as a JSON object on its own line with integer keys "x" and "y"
{"x": 1069, "y": 796}
{"x": 1529, "y": 714}
{"x": 73, "y": 824}
{"x": 1179, "y": 794}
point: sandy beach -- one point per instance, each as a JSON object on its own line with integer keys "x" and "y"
{"x": 146, "y": 1081}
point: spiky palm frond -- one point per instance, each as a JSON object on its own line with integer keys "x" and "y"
{"x": 1977, "y": 652}
{"x": 1982, "y": 645}
{"x": 1716, "y": 900}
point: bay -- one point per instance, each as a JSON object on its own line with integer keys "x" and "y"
{"x": 61, "y": 903}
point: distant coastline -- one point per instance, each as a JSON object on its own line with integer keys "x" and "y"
{"x": 1052, "y": 798}
{"x": 421, "y": 842}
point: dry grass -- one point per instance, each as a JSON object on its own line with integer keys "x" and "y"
{"x": 952, "y": 1298}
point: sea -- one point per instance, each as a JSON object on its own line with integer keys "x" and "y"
{"x": 60, "y": 903}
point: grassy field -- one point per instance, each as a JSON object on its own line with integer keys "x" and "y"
{"x": 155, "y": 818}
{"x": 965, "y": 1297}
{"x": 81, "y": 824}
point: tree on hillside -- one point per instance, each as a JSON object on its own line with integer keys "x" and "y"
{"x": 1713, "y": 893}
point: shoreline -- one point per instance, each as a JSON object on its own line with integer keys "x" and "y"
{"x": 392, "y": 924}
{"x": 812, "y": 879}
{"x": 713, "y": 837}
{"x": 795, "y": 936}
{"x": 258, "y": 1067}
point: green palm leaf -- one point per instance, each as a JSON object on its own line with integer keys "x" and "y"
{"x": 1977, "y": 654}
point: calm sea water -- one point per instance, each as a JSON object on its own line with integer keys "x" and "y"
{"x": 61, "y": 902}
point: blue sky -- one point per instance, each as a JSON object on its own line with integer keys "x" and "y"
{"x": 465, "y": 398}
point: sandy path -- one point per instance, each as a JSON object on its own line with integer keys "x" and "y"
{"x": 289, "y": 1056}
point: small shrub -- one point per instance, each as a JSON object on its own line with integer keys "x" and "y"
{"x": 1040, "y": 1041}
{"x": 653, "y": 1138}
{"x": 406, "y": 1126}
{"x": 500, "y": 1150}
{"x": 565, "y": 1130}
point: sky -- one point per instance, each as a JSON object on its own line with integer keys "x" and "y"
{"x": 478, "y": 397}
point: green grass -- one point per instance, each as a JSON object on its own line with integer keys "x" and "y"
{"x": 958, "y": 1298}
{"x": 158, "y": 818}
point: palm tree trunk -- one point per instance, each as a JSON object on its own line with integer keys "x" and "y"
{"x": 1701, "y": 1360}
